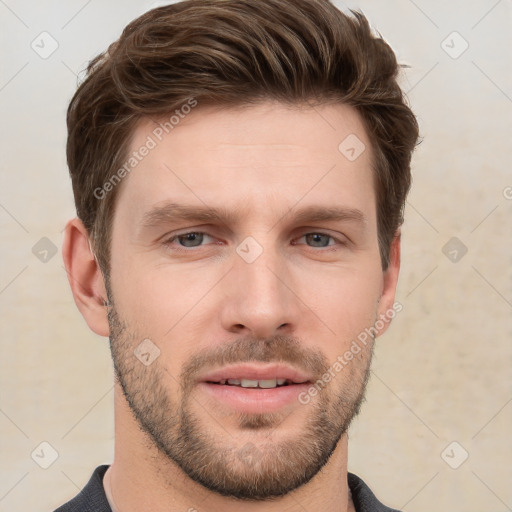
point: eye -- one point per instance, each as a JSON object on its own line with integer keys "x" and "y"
{"x": 190, "y": 239}
{"x": 318, "y": 239}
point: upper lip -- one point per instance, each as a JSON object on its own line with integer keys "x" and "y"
{"x": 256, "y": 372}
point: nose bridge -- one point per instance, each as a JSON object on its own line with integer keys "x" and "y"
{"x": 261, "y": 277}
{"x": 259, "y": 300}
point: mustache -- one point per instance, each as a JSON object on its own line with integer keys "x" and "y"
{"x": 277, "y": 349}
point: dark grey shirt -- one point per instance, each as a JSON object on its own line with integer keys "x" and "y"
{"x": 92, "y": 497}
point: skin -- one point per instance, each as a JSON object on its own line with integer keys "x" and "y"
{"x": 262, "y": 164}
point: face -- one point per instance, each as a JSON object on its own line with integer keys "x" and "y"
{"x": 244, "y": 264}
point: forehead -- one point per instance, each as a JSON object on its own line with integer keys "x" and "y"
{"x": 268, "y": 154}
{"x": 253, "y": 130}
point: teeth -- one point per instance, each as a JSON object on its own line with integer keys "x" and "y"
{"x": 270, "y": 383}
{"x": 246, "y": 383}
{"x": 250, "y": 383}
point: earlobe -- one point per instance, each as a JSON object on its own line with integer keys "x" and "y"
{"x": 85, "y": 277}
{"x": 387, "y": 308}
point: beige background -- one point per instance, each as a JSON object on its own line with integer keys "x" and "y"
{"x": 441, "y": 374}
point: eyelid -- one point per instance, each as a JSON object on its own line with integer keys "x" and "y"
{"x": 342, "y": 240}
{"x": 169, "y": 245}
{"x": 170, "y": 238}
{"x": 203, "y": 229}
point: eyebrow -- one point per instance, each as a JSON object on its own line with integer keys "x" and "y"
{"x": 323, "y": 213}
{"x": 172, "y": 212}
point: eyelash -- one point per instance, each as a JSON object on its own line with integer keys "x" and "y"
{"x": 175, "y": 237}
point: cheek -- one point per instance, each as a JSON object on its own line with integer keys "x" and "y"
{"x": 170, "y": 307}
{"x": 150, "y": 295}
{"x": 344, "y": 300}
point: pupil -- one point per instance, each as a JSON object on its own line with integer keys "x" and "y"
{"x": 318, "y": 240}
{"x": 191, "y": 239}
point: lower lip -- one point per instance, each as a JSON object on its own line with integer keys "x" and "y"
{"x": 254, "y": 400}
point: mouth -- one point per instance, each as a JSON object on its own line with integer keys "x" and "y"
{"x": 251, "y": 383}
{"x": 263, "y": 376}
{"x": 253, "y": 388}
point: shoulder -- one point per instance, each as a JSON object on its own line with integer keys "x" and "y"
{"x": 363, "y": 498}
{"x": 91, "y": 498}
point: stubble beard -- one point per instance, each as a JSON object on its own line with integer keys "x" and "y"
{"x": 257, "y": 472}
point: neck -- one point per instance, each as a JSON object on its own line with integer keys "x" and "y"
{"x": 143, "y": 478}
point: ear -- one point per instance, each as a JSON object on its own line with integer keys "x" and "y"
{"x": 85, "y": 277}
{"x": 387, "y": 308}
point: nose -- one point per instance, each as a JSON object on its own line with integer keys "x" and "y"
{"x": 259, "y": 299}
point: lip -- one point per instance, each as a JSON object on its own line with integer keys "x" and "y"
{"x": 257, "y": 372}
{"x": 255, "y": 400}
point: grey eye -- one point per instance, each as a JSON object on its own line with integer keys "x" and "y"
{"x": 317, "y": 239}
{"x": 191, "y": 239}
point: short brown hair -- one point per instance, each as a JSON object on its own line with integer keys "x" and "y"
{"x": 237, "y": 52}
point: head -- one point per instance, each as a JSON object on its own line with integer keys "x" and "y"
{"x": 240, "y": 171}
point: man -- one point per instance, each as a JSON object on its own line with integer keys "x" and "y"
{"x": 239, "y": 171}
